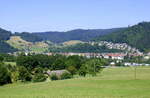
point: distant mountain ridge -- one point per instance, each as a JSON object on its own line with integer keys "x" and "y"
{"x": 78, "y": 34}
{"x": 136, "y": 36}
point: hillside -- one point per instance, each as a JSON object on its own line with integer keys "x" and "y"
{"x": 4, "y": 47}
{"x": 31, "y": 37}
{"x": 72, "y": 42}
{"x": 78, "y": 34}
{"x": 22, "y": 45}
{"x": 69, "y": 46}
{"x": 82, "y": 48}
{"x": 4, "y": 34}
{"x": 42, "y": 41}
{"x": 137, "y": 36}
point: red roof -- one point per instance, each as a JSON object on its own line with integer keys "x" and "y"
{"x": 115, "y": 54}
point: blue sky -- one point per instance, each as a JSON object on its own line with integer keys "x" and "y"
{"x": 62, "y": 15}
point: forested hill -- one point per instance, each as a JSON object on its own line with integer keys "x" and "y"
{"x": 55, "y": 37}
{"x": 31, "y": 37}
{"x": 59, "y": 37}
{"x": 4, "y": 35}
{"x": 5, "y": 47}
{"x": 78, "y": 34}
{"x": 137, "y": 36}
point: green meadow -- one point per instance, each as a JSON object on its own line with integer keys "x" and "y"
{"x": 11, "y": 63}
{"x": 117, "y": 82}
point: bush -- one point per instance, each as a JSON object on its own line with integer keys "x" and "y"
{"x": 54, "y": 77}
{"x": 38, "y": 70}
{"x": 14, "y": 72}
{"x": 14, "y": 76}
{"x": 39, "y": 77}
{"x": 24, "y": 75}
{"x": 66, "y": 75}
{"x": 72, "y": 70}
{"x": 1, "y": 58}
{"x": 5, "y": 76}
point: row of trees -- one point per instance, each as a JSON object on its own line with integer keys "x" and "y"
{"x": 74, "y": 64}
{"x": 83, "y": 48}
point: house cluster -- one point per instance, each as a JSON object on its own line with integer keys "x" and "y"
{"x": 88, "y": 55}
{"x": 135, "y": 64}
{"x": 120, "y": 46}
{"x": 119, "y": 56}
{"x": 129, "y": 64}
{"x": 113, "y": 56}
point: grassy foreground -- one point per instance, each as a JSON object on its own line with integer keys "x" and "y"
{"x": 111, "y": 83}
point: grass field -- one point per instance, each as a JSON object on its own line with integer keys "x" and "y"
{"x": 18, "y": 43}
{"x": 111, "y": 83}
{"x": 11, "y": 63}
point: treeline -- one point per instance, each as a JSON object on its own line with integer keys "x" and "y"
{"x": 35, "y": 67}
{"x": 77, "y": 34}
{"x": 6, "y": 48}
{"x": 83, "y": 48}
{"x": 30, "y": 37}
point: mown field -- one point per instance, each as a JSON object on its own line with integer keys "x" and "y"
{"x": 111, "y": 83}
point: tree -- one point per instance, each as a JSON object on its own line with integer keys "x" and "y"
{"x": 1, "y": 58}
{"x": 93, "y": 66}
{"x": 5, "y": 76}
{"x": 83, "y": 71}
{"x": 39, "y": 75}
{"x": 72, "y": 70}
{"x": 58, "y": 62}
{"x": 75, "y": 61}
{"x": 14, "y": 72}
{"x": 28, "y": 62}
{"x": 7, "y": 57}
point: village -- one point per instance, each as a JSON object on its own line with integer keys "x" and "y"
{"x": 119, "y": 46}
{"x": 115, "y": 57}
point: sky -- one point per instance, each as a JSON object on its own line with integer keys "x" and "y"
{"x": 63, "y": 15}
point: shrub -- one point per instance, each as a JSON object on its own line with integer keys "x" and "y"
{"x": 5, "y": 76}
{"x": 14, "y": 76}
{"x": 66, "y": 75}
{"x": 24, "y": 74}
{"x": 38, "y": 70}
{"x": 1, "y": 58}
{"x": 39, "y": 77}
{"x": 72, "y": 69}
{"x": 54, "y": 77}
{"x": 14, "y": 72}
